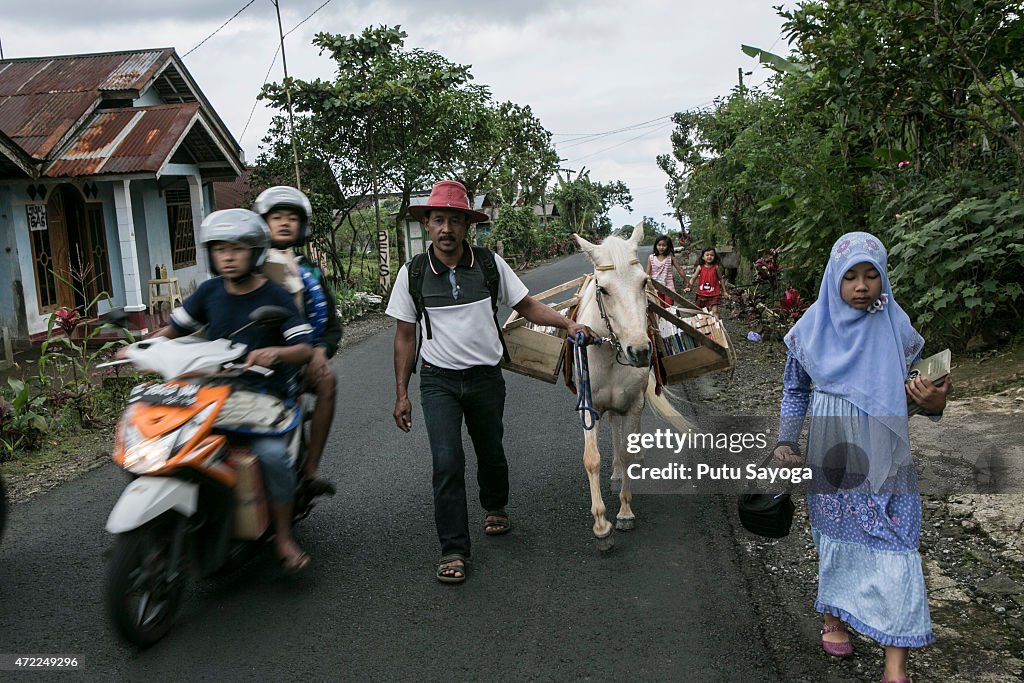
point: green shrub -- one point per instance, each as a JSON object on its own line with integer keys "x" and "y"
{"x": 957, "y": 260}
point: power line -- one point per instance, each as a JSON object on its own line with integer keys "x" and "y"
{"x": 257, "y": 100}
{"x": 652, "y": 124}
{"x": 273, "y": 61}
{"x": 618, "y": 144}
{"x": 579, "y": 141}
{"x": 200, "y": 43}
{"x": 309, "y": 17}
{"x": 580, "y": 136}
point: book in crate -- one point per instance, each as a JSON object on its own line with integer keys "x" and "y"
{"x": 693, "y": 342}
{"x": 536, "y": 350}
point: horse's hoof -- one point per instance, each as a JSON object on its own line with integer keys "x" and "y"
{"x": 605, "y": 543}
{"x": 625, "y": 523}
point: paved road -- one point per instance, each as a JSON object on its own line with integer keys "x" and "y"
{"x": 670, "y": 602}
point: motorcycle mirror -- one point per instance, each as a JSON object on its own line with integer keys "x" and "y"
{"x": 270, "y": 316}
{"x": 116, "y": 316}
{"x": 267, "y": 316}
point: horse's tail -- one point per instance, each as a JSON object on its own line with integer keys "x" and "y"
{"x": 661, "y": 406}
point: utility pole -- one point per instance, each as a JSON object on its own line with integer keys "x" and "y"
{"x": 742, "y": 73}
{"x": 288, "y": 96}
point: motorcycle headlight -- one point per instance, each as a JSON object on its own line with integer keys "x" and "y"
{"x": 143, "y": 455}
{"x": 148, "y": 454}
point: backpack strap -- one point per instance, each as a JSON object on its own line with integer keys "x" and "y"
{"x": 417, "y": 271}
{"x": 416, "y": 268}
{"x": 493, "y": 279}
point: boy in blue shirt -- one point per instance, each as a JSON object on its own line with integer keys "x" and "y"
{"x": 236, "y": 241}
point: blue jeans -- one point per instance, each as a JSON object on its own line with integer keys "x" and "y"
{"x": 277, "y": 466}
{"x": 478, "y": 394}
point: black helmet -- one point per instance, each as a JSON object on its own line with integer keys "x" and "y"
{"x": 236, "y": 226}
{"x": 285, "y": 197}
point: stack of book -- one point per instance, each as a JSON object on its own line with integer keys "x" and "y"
{"x": 709, "y": 326}
{"x": 545, "y": 329}
{"x": 678, "y": 342}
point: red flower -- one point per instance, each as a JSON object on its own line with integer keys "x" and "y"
{"x": 67, "y": 319}
{"x": 792, "y": 304}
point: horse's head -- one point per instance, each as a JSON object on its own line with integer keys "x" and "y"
{"x": 621, "y": 295}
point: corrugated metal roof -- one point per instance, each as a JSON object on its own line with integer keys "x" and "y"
{"x": 79, "y": 73}
{"x": 36, "y": 122}
{"x": 125, "y": 141}
{"x": 42, "y": 97}
{"x": 132, "y": 73}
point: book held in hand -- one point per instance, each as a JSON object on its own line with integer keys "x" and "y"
{"x": 935, "y": 368}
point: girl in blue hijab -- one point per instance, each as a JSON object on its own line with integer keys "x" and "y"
{"x": 849, "y": 355}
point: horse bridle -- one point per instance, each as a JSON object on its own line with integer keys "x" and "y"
{"x": 612, "y": 338}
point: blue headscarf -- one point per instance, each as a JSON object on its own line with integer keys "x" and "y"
{"x": 860, "y": 355}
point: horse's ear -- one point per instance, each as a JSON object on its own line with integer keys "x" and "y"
{"x": 587, "y": 247}
{"x": 638, "y": 234}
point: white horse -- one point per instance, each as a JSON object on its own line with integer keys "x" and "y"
{"x": 614, "y": 304}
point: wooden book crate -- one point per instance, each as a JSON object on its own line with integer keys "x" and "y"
{"x": 713, "y": 350}
{"x": 538, "y": 353}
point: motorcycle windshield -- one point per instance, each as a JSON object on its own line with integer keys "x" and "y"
{"x": 172, "y": 358}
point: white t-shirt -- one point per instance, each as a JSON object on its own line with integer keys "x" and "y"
{"x": 462, "y": 329}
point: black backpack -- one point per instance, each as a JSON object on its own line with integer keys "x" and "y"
{"x": 417, "y": 269}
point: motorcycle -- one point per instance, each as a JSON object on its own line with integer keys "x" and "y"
{"x": 195, "y": 501}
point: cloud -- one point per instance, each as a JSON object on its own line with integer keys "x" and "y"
{"x": 583, "y": 67}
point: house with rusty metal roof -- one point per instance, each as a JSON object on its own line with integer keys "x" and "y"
{"x": 106, "y": 169}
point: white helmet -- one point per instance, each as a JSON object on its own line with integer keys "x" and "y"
{"x": 236, "y": 226}
{"x": 285, "y": 197}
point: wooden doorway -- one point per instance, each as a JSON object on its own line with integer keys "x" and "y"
{"x": 70, "y": 257}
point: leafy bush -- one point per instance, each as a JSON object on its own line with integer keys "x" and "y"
{"x": 974, "y": 243}
{"x": 768, "y": 312}
{"x": 515, "y": 228}
{"x": 22, "y": 424}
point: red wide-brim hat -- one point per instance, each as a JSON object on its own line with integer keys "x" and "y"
{"x": 448, "y": 194}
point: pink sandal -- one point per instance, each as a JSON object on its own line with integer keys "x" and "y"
{"x": 838, "y": 649}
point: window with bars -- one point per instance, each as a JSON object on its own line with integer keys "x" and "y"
{"x": 181, "y": 227}
{"x": 97, "y": 245}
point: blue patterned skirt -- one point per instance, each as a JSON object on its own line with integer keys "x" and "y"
{"x": 869, "y": 569}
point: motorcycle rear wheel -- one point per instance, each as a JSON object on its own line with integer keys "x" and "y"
{"x": 143, "y": 591}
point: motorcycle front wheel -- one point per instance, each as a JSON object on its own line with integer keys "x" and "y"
{"x": 144, "y": 587}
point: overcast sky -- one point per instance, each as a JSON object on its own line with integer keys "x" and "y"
{"x": 584, "y": 66}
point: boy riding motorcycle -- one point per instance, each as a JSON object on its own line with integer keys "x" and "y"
{"x": 287, "y": 212}
{"x": 236, "y": 241}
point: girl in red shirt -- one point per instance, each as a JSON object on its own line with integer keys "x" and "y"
{"x": 710, "y": 278}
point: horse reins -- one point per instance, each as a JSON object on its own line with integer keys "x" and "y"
{"x": 584, "y": 397}
{"x": 581, "y": 362}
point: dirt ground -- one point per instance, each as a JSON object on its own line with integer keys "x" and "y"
{"x": 971, "y": 547}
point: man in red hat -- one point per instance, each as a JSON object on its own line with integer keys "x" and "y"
{"x": 451, "y": 292}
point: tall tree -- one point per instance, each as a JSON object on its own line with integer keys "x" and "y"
{"x": 398, "y": 108}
